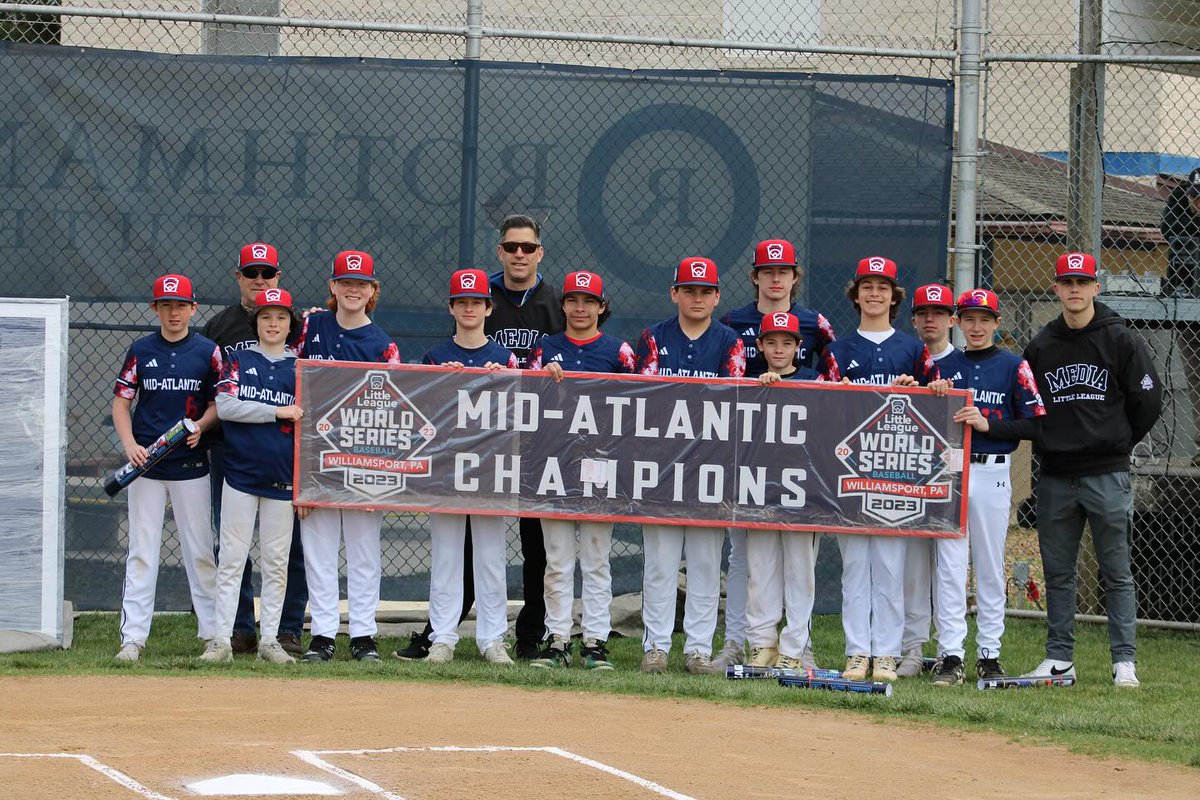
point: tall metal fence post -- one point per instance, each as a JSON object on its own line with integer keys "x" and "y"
{"x": 470, "y": 135}
{"x": 240, "y": 40}
{"x": 967, "y": 158}
{"x": 1085, "y": 165}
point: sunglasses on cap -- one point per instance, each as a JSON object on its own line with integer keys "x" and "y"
{"x": 254, "y": 273}
{"x": 528, "y": 248}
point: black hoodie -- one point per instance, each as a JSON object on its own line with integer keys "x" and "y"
{"x": 520, "y": 319}
{"x": 1101, "y": 391}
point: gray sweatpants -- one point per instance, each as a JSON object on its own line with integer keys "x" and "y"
{"x": 1064, "y": 505}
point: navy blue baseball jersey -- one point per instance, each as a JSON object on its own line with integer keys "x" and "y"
{"x": 664, "y": 349}
{"x": 601, "y": 353}
{"x": 449, "y": 350}
{"x": 258, "y": 455}
{"x": 815, "y": 330}
{"x": 862, "y": 361}
{"x": 1002, "y": 385}
{"x": 170, "y": 380}
{"x": 322, "y": 338}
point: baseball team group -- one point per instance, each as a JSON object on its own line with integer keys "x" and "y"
{"x": 1085, "y": 392}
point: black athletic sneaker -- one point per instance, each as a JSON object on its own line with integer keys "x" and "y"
{"x": 527, "y": 651}
{"x": 989, "y": 669}
{"x": 593, "y": 654}
{"x": 363, "y": 648}
{"x": 320, "y": 648}
{"x": 557, "y": 654}
{"x": 948, "y": 671}
{"x": 416, "y": 649}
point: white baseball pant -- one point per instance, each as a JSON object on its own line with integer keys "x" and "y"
{"x": 238, "y": 512}
{"x": 737, "y": 587}
{"x": 489, "y": 542}
{"x": 872, "y": 593}
{"x": 989, "y": 496}
{"x": 919, "y": 561}
{"x": 782, "y": 580}
{"x": 663, "y": 546}
{"x": 147, "y": 510}
{"x": 594, "y": 546}
{"x": 321, "y": 533}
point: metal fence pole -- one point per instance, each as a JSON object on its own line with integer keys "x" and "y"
{"x": 1086, "y": 170}
{"x": 967, "y": 158}
{"x": 470, "y": 141}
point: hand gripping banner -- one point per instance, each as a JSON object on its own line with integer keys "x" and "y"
{"x": 796, "y": 455}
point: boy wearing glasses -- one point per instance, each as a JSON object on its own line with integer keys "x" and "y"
{"x": 257, "y": 271}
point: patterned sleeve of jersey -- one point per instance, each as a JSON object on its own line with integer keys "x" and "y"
{"x": 1028, "y": 399}
{"x": 826, "y": 330}
{"x": 512, "y": 361}
{"x": 735, "y": 360}
{"x": 626, "y": 360}
{"x": 925, "y": 369}
{"x": 127, "y": 378}
{"x": 535, "y": 357}
{"x": 646, "y": 361}
{"x": 228, "y": 384}
{"x": 302, "y": 339}
{"x": 391, "y": 354}
{"x": 215, "y": 367}
{"x": 829, "y": 370}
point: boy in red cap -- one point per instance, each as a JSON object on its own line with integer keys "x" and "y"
{"x": 690, "y": 344}
{"x": 172, "y": 373}
{"x": 580, "y": 348}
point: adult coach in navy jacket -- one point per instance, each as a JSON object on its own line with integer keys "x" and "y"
{"x": 1102, "y": 396}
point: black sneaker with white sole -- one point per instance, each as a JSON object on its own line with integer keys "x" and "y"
{"x": 948, "y": 671}
{"x": 416, "y": 649}
{"x": 320, "y": 648}
{"x": 989, "y": 669}
{"x": 364, "y": 648}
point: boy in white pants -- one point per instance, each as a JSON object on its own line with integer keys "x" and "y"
{"x": 581, "y": 348}
{"x": 470, "y": 304}
{"x": 256, "y": 401}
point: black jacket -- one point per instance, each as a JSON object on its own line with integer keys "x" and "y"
{"x": 1101, "y": 391}
{"x": 519, "y": 323}
{"x": 230, "y": 329}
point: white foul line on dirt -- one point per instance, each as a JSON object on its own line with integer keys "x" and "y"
{"x": 313, "y": 757}
{"x": 105, "y": 770}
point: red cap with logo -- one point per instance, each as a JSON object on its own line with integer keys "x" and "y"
{"x": 174, "y": 287}
{"x": 353, "y": 265}
{"x": 780, "y": 322}
{"x": 470, "y": 283}
{"x": 258, "y": 254}
{"x": 1075, "y": 265}
{"x": 584, "y": 283}
{"x": 697, "y": 271}
{"x": 774, "y": 253}
{"x": 271, "y": 298}
{"x": 876, "y": 267}
{"x": 935, "y": 295}
{"x": 982, "y": 299}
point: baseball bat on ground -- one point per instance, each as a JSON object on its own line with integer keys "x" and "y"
{"x": 836, "y": 684}
{"x": 1026, "y": 682}
{"x": 175, "y": 436}
{"x": 743, "y": 672}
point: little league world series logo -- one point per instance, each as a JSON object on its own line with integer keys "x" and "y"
{"x": 376, "y": 434}
{"x": 897, "y": 463}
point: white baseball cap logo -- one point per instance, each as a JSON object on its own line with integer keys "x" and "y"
{"x": 171, "y": 285}
{"x": 980, "y": 297}
{"x": 258, "y": 250}
{"x": 467, "y": 281}
{"x": 934, "y": 293}
{"x": 699, "y": 269}
{"x": 354, "y": 262}
{"x": 273, "y": 295}
{"x": 780, "y": 319}
{"x": 775, "y": 252}
{"x": 876, "y": 264}
{"x": 1075, "y": 261}
{"x": 583, "y": 280}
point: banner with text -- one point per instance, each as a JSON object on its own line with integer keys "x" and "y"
{"x": 796, "y": 455}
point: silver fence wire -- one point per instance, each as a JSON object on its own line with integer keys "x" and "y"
{"x": 1146, "y": 140}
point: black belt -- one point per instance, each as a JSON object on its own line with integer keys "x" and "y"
{"x": 989, "y": 458}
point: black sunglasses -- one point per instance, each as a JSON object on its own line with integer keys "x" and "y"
{"x": 254, "y": 273}
{"x": 528, "y": 248}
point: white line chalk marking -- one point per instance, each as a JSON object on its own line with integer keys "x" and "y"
{"x": 245, "y": 784}
{"x": 107, "y": 771}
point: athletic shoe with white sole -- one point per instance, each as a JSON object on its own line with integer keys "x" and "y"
{"x": 989, "y": 669}
{"x": 1125, "y": 675}
{"x": 884, "y": 669}
{"x": 594, "y": 655}
{"x": 497, "y": 653}
{"x": 555, "y": 655}
{"x": 731, "y": 653}
{"x": 698, "y": 664}
{"x": 440, "y": 653}
{"x": 856, "y": 667}
{"x": 129, "y": 652}
{"x": 364, "y": 648}
{"x": 217, "y": 651}
{"x": 763, "y": 657}
{"x": 790, "y": 662}
{"x": 416, "y": 649}
{"x": 271, "y": 651}
{"x": 654, "y": 661}
{"x": 948, "y": 672}
{"x": 912, "y": 665}
{"x": 320, "y": 648}
{"x": 1051, "y": 668}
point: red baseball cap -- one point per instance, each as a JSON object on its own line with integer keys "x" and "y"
{"x": 697, "y": 271}
{"x": 982, "y": 299}
{"x": 272, "y": 298}
{"x": 876, "y": 267}
{"x": 774, "y": 253}
{"x": 1075, "y": 265}
{"x": 780, "y": 322}
{"x": 935, "y": 295}
{"x": 258, "y": 254}
{"x": 355, "y": 265}
{"x": 584, "y": 283}
{"x": 174, "y": 287}
{"x": 470, "y": 283}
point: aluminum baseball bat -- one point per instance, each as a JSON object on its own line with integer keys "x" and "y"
{"x": 174, "y": 436}
{"x": 743, "y": 672}
{"x": 836, "y": 685}
{"x": 1026, "y": 682}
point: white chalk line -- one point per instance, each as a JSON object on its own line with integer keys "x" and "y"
{"x": 314, "y": 758}
{"x": 105, "y": 770}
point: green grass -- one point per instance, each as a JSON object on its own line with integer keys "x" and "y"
{"x": 1158, "y": 722}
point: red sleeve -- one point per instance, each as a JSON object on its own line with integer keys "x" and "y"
{"x": 826, "y": 330}
{"x": 829, "y": 368}
{"x": 647, "y": 354}
{"x": 512, "y": 362}
{"x": 228, "y": 384}
{"x": 626, "y": 360}
{"x": 535, "y": 358}
{"x": 391, "y": 354}
{"x": 127, "y": 378}
{"x": 735, "y": 360}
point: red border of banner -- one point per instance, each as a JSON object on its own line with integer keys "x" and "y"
{"x": 675, "y": 521}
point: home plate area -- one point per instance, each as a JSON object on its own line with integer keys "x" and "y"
{"x": 400, "y": 773}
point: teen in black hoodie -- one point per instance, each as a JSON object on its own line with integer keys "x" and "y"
{"x": 1102, "y": 395}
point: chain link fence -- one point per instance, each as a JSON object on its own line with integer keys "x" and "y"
{"x": 1030, "y": 200}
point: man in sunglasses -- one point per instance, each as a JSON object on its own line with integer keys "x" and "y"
{"x": 232, "y": 329}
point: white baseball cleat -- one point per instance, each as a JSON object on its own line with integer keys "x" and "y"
{"x": 731, "y": 653}
{"x": 217, "y": 651}
{"x": 440, "y": 653}
{"x": 763, "y": 656}
{"x": 856, "y": 667}
{"x": 129, "y": 652}
{"x": 1053, "y": 668}
{"x": 654, "y": 661}
{"x": 270, "y": 650}
{"x": 912, "y": 665}
{"x": 1125, "y": 675}
{"x": 496, "y": 653}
